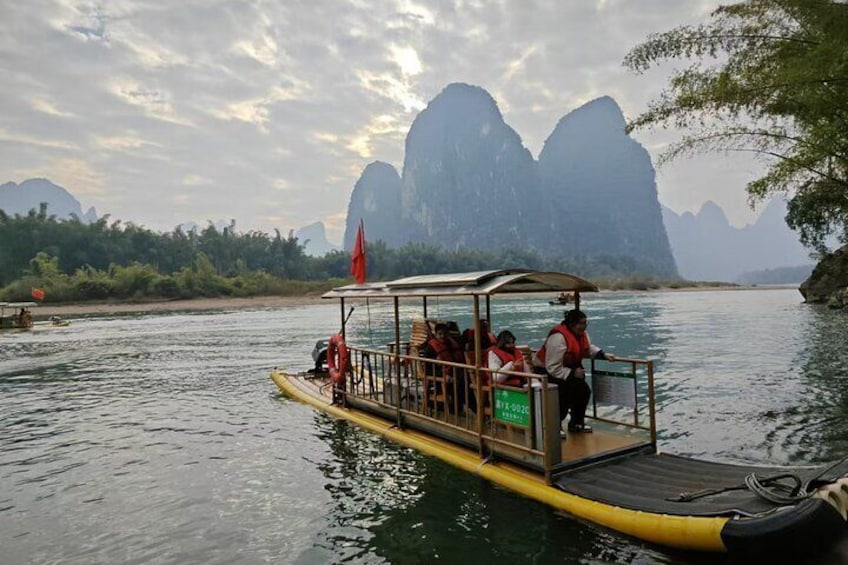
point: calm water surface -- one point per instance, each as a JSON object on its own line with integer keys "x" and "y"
{"x": 160, "y": 439}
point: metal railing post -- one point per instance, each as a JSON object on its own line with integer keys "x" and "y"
{"x": 397, "y": 361}
{"x": 477, "y": 384}
{"x": 651, "y": 408}
{"x": 545, "y": 431}
{"x": 343, "y": 318}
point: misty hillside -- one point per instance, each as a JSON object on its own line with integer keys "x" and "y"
{"x": 21, "y": 198}
{"x": 468, "y": 181}
{"x": 707, "y": 247}
{"x": 314, "y": 239}
{"x": 376, "y": 201}
{"x": 599, "y": 185}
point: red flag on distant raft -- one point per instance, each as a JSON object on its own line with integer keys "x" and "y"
{"x": 357, "y": 258}
{"x": 38, "y": 294}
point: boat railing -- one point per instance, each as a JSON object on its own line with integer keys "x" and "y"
{"x": 465, "y": 404}
{"x": 624, "y": 397}
{"x": 461, "y": 402}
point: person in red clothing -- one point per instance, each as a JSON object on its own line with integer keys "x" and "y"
{"x": 504, "y": 356}
{"x": 487, "y": 338}
{"x": 561, "y": 357}
{"x": 442, "y": 347}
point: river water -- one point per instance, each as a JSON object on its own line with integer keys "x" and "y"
{"x": 160, "y": 439}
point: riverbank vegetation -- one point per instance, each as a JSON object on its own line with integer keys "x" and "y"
{"x": 72, "y": 261}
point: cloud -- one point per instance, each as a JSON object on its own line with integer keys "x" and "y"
{"x": 262, "y": 49}
{"x": 49, "y": 108}
{"x": 155, "y": 102}
{"x": 517, "y": 65}
{"x": 257, "y": 111}
{"x": 407, "y": 59}
{"x": 383, "y": 126}
{"x": 284, "y": 104}
{"x": 392, "y": 88}
{"x": 76, "y": 175}
{"x": 121, "y": 143}
{"x": 196, "y": 180}
{"x": 12, "y": 138}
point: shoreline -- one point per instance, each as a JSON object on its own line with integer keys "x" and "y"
{"x": 186, "y": 305}
{"x": 230, "y": 303}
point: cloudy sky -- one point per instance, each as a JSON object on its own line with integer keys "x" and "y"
{"x": 266, "y": 111}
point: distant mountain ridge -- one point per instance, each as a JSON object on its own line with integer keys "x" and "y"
{"x": 21, "y": 198}
{"x": 314, "y": 239}
{"x": 707, "y": 247}
{"x": 468, "y": 181}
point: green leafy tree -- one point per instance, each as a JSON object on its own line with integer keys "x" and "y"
{"x": 770, "y": 77}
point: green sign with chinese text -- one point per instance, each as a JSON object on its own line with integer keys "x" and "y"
{"x": 512, "y": 407}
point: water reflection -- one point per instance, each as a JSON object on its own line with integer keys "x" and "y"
{"x": 159, "y": 438}
{"x": 392, "y": 502}
{"x": 817, "y": 416}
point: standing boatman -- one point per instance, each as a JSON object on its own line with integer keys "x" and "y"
{"x": 561, "y": 357}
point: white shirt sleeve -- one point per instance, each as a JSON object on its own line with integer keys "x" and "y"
{"x": 495, "y": 363}
{"x": 555, "y": 349}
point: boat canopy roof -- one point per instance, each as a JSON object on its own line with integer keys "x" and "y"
{"x": 484, "y": 283}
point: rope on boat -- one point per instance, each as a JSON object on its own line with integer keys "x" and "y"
{"x": 767, "y": 488}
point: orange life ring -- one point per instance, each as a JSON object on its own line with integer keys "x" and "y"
{"x": 337, "y": 348}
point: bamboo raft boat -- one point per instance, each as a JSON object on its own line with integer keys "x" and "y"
{"x": 615, "y": 477}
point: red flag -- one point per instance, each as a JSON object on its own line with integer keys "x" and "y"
{"x": 38, "y": 294}
{"x": 357, "y": 258}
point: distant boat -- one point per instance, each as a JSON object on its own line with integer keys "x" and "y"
{"x": 510, "y": 434}
{"x": 562, "y": 300}
{"x": 18, "y": 316}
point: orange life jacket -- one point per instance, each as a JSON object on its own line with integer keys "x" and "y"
{"x": 447, "y": 351}
{"x": 577, "y": 349}
{"x": 505, "y": 357}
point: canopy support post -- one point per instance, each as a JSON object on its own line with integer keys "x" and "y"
{"x": 397, "y": 362}
{"x": 477, "y": 384}
{"x": 343, "y": 318}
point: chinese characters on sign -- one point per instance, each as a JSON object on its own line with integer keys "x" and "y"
{"x": 512, "y": 407}
{"x": 614, "y": 388}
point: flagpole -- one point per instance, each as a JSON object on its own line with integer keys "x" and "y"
{"x": 367, "y": 300}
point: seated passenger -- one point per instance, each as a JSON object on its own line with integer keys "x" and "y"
{"x": 505, "y": 356}
{"x": 487, "y": 338}
{"x": 442, "y": 347}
